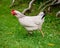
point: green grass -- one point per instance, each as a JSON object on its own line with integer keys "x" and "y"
{"x": 13, "y": 35}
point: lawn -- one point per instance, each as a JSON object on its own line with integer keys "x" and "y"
{"x": 13, "y": 35}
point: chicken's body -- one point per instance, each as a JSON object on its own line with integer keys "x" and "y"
{"x": 30, "y": 22}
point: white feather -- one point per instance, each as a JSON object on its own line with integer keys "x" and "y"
{"x": 30, "y": 22}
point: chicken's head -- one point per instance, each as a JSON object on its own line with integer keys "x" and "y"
{"x": 13, "y": 12}
{"x": 17, "y": 13}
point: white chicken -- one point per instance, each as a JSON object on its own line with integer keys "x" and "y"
{"x": 30, "y": 22}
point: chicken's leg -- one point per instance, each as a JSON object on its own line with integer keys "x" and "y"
{"x": 42, "y": 32}
{"x": 30, "y": 32}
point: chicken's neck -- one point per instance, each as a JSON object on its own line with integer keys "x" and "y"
{"x": 20, "y": 16}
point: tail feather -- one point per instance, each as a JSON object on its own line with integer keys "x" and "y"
{"x": 43, "y": 17}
